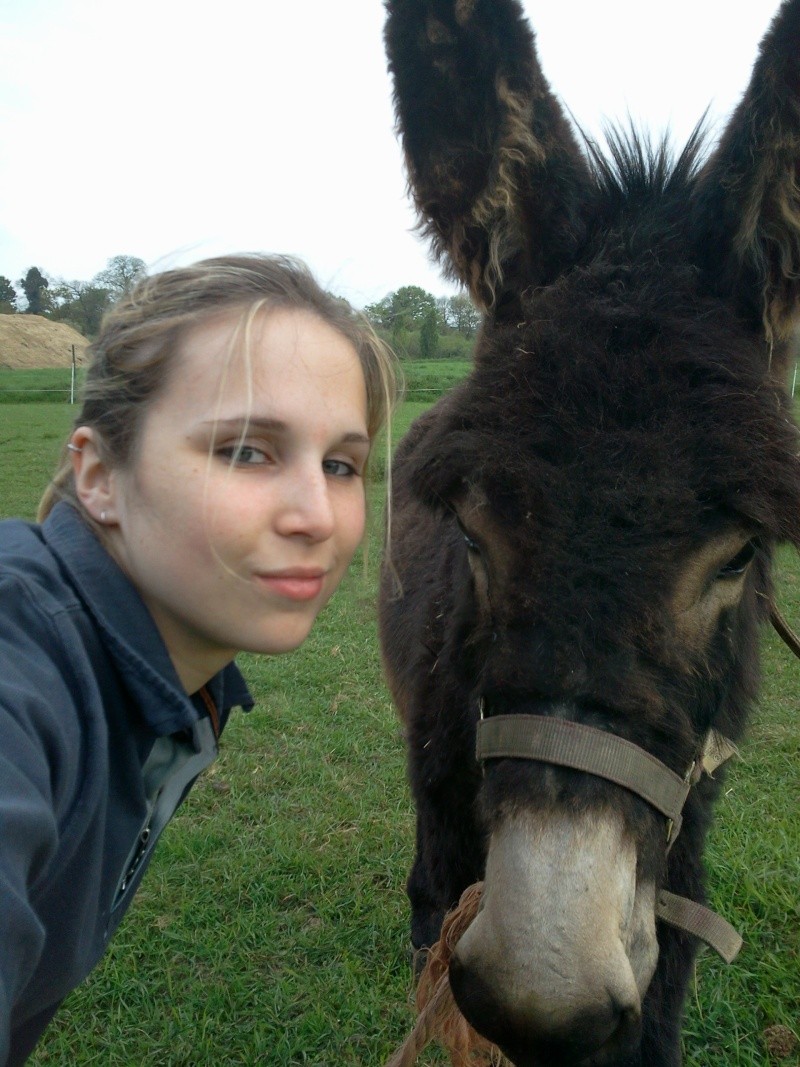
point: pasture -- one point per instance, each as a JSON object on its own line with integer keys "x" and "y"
{"x": 272, "y": 925}
{"x": 37, "y": 385}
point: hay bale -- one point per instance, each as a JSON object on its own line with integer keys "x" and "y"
{"x": 31, "y": 341}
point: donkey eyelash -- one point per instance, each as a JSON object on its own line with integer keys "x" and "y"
{"x": 740, "y": 562}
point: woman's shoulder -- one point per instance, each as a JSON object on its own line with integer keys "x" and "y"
{"x": 18, "y": 536}
{"x": 40, "y": 647}
{"x": 52, "y": 724}
{"x": 29, "y": 571}
{"x": 43, "y": 624}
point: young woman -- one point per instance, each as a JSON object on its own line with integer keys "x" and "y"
{"x": 209, "y": 501}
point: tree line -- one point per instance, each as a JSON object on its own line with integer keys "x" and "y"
{"x": 417, "y": 324}
{"x": 79, "y": 303}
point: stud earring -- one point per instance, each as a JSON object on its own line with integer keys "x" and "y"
{"x": 103, "y": 516}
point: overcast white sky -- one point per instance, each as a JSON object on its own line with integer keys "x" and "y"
{"x": 173, "y": 130}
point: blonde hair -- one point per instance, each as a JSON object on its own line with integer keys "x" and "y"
{"x": 139, "y": 339}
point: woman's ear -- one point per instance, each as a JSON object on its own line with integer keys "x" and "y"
{"x": 94, "y": 480}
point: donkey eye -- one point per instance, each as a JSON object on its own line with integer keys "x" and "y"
{"x": 470, "y": 542}
{"x": 740, "y": 562}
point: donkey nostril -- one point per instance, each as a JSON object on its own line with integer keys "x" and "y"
{"x": 476, "y": 1000}
{"x": 540, "y": 1032}
{"x": 624, "y": 1037}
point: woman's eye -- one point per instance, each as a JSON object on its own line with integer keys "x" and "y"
{"x": 740, "y": 562}
{"x": 243, "y": 455}
{"x": 339, "y": 468}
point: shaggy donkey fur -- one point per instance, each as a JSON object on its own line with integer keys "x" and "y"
{"x": 585, "y": 527}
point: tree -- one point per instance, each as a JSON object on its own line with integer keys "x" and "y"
{"x": 120, "y": 275}
{"x": 380, "y": 313}
{"x": 429, "y": 334}
{"x": 413, "y": 303}
{"x": 400, "y": 336}
{"x": 34, "y": 285}
{"x": 403, "y": 310}
{"x": 462, "y": 315}
{"x": 81, "y": 304}
{"x": 8, "y": 297}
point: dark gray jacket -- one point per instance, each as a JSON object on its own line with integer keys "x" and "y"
{"x": 98, "y": 745}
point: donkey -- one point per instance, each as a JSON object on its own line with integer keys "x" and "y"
{"x": 582, "y": 532}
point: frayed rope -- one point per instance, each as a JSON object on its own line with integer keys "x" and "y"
{"x": 439, "y": 1018}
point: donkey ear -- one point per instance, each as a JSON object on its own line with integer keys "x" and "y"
{"x": 747, "y": 210}
{"x": 495, "y": 170}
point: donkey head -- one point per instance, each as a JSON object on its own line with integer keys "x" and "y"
{"x": 619, "y": 465}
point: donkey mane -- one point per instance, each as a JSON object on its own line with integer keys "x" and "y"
{"x": 638, "y": 167}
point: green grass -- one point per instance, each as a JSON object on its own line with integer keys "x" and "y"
{"x": 31, "y": 436}
{"x": 272, "y": 925}
{"x": 43, "y": 385}
{"x": 427, "y": 379}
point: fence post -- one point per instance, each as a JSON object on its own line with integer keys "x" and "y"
{"x": 72, "y": 379}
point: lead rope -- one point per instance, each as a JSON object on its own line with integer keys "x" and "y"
{"x": 783, "y": 629}
{"x": 439, "y": 1018}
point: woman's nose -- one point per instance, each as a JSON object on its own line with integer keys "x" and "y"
{"x": 306, "y": 508}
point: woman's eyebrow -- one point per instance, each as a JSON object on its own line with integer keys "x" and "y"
{"x": 261, "y": 422}
{"x": 258, "y": 422}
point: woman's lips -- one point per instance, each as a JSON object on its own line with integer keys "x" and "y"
{"x": 294, "y": 584}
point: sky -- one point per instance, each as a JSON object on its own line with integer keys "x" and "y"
{"x": 171, "y": 130}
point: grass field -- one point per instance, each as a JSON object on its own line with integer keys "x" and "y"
{"x": 427, "y": 379}
{"x": 272, "y": 925}
{"x": 45, "y": 385}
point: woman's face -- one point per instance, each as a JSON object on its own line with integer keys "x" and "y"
{"x": 244, "y": 503}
